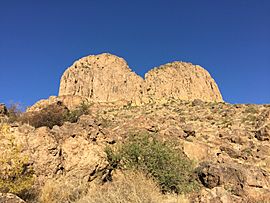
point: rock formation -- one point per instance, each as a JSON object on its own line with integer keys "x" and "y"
{"x": 181, "y": 80}
{"x": 107, "y": 78}
{"x": 102, "y": 78}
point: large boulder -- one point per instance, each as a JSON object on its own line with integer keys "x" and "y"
{"x": 107, "y": 78}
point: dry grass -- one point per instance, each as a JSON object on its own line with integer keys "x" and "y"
{"x": 129, "y": 187}
{"x": 62, "y": 190}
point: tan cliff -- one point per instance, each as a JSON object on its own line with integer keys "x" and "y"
{"x": 107, "y": 78}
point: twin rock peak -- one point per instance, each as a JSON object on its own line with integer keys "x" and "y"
{"x": 108, "y": 78}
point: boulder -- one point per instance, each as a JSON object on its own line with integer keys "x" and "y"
{"x": 263, "y": 134}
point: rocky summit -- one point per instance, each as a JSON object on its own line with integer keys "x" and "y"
{"x": 107, "y": 78}
{"x": 111, "y": 136}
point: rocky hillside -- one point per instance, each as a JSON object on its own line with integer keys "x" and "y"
{"x": 229, "y": 144}
{"x": 107, "y": 78}
{"x": 88, "y": 144}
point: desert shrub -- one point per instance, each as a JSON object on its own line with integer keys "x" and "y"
{"x": 167, "y": 165}
{"x": 251, "y": 109}
{"x": 82, "y": 109}
{"x": 15, "y": 174}
{"x": 132, "y": 187}
{"x": 62, "y": 190}
{"x": 14, "y": 112}
{"x": 54, "y": 114}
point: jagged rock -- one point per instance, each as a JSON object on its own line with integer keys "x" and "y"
{"x": 3, "y": 109}
{"x": 213, "y": 176}
{"x": 263, "y": 134}
{"x": 10, "y": 198}
{"x": 107, "y": 78}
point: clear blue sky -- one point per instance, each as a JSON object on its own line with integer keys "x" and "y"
{"x": 40, "y": 39}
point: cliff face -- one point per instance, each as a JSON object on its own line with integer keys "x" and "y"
{"x": 101, "y": 78}
{"x": 182, "y": 81}
{"x": 107, "y": 78}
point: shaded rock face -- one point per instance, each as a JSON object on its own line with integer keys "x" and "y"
{"x": 107, "y": 78}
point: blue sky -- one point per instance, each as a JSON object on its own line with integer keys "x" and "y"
{"x": 40, "y": 39}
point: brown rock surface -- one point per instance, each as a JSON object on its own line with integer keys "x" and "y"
{"x": 181, "y": 80}
{"x": 101, "y": 78}
{"x": 107, "y": 78}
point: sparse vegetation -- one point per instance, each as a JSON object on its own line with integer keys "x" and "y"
{"x": 62, "y": 190}
{"x": 167, "y": 165}
{"x": 132, "y": 187}
{"x": 14, "y": 112}
{"x": 15, "y": 175}
{"x": 54, "y": 114}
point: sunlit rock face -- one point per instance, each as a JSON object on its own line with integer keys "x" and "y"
{"x": 107, "y": 78}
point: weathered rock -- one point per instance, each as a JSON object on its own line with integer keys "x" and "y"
{"x": 218, "y": 195}
{"x": 10, "y": 198}
{"x": 107, "y": 78}
{"x": 195, "y": 151}
{"x": 263, "y": 134}
{"x": 213, "y": 176}
{"x": 3, "y": 109}
{"x": 70, "y": 102}
{"x": 181, "y": 80}
{"x": 101, "y": 78}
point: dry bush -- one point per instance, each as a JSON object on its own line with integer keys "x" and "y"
{"x": 54, "y": 114}
{"x": 14, "y": 112}
{"x": 126, "y": 188}
{"x": 62, "y": 190}
{"x": 16, "y": 176}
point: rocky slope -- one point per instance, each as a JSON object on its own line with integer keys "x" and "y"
{"x": 107, "y": 78}
{"x": 229, "y": 143}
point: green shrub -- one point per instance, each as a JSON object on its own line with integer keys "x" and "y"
{"x": 167, "y": 165}
{"x": 82, "y": 109}
{"x": 15, "y": 174}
